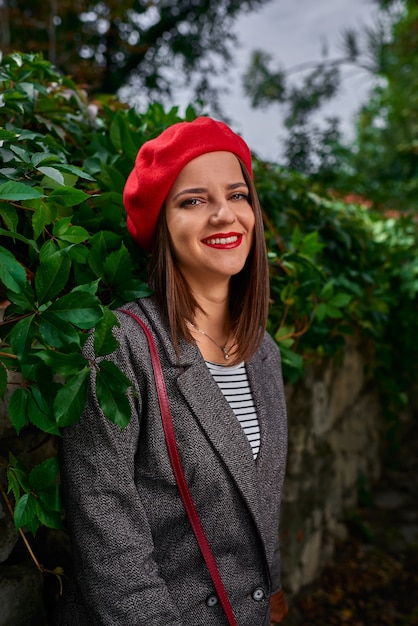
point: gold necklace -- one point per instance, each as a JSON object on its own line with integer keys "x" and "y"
{"x": 224, "y": 349}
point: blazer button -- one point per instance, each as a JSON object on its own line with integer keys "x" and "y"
{"x": 258, "y": 594}
{"x": 212, "y": 600}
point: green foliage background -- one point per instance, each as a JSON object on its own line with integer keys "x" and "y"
{"x": 66, "y": 262}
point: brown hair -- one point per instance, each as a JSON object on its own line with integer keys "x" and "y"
{"x": 249, "y": 289}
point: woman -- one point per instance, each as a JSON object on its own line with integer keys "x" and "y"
{"x": 191, "y": 201}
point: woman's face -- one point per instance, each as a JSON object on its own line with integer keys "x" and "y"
{"x": 210, "y": 219}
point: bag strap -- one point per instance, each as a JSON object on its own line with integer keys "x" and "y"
{"x": 185, "y": 494}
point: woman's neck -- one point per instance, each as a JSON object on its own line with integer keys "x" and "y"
{"x": 211, "y": 327}
{"x": 214, "y": 309}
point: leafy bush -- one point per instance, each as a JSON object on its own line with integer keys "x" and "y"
{"x": 66, "y": 261}
{"x": 351, "y": 271}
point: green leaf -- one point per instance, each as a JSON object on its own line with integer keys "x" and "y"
{"x": 18, "y": 470}
{"x": 310, "y": 245}
{"x": 9, "y": 173}
{"x": 52, "y": 173}
{"x": 340, "y": 300}
{"x": 49, "y": 248}
{"x": 6, "y": 135}
{"x": 71, "y": 169}
{"x": 117, "y": 265}
{"x": 104, "y": 340}
{"x": 327, "y": 290}
{"x": 9, "y": 216}
{"x": 287, "y": 294}
{"x": 116, "y": 132}
{"x": 132, "y": 289}
{"x": 102, "y": 244}
{"x": 290, "y": 358}
{"x": 332, "y": 311}
{"x": 22, "y": 336}
{"x": 61, "y": 226}
{"x": 111, "y": 389}
{"x": 24, "y": 299}
{"x": 122, "y": 138}
{"x": 12, "y": 273}
{"x": 50, "y": 519}
{"x": 321, "y": 311}
{"x": 21, "y": 153}
{"x": 39, "y": 413}
{"x": 18, "y": 408}
{"x": 296, "y": 237}
{"x": 13, "y": 484}
{"x": 51, "y": 498}
{"x": 56, "y": 332}
{"x": 78, "y": 307}
{"x": 61, "y": 362}
{"x": 16, "y": 192}
{"x": 75, "y": 234}
{"x": 112, "y": 178}
{"x": 25, "y": 510}
{"x": 68, "y": 196}
{"x": 88, "y": 287}
{"x": 52, "y": 276}
{"x": 44, "y": 157}
{"x": 71, "y": 399}
{"x": 43, "y": 215}
{"x": 78, "y": 255}
{"x": 33, "y": 524}
{"x": 284, "y": 336}
{"x": 65, "y": 231}
{"x": 44, "y": 474}
{"x": 109, "y": 208}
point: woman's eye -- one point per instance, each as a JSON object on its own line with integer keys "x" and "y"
{"x": 190, "y": 202}
{"x": 241, "y": 196}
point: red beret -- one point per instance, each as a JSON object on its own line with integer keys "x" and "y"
{"x": 159, "y": 162}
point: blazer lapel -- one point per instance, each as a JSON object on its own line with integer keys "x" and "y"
{"x": 221, "y": 427}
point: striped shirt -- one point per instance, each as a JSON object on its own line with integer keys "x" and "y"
{"x": 233, "y": 382}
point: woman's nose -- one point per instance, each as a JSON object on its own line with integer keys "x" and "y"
{"x": 222, "y": 214}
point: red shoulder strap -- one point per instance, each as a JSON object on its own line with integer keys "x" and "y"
{"x": 185, "y": 494}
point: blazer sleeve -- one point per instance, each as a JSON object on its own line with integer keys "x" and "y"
{"x": 111, "y": 539}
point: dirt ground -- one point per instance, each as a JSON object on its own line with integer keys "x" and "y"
{"x": 373, "y": 580}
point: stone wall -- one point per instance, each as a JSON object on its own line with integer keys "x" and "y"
{"x": 334, "y": 436}
{"x": 334, "y": 433}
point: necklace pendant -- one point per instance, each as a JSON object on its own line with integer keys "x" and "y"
{"x": 226, "y": 355}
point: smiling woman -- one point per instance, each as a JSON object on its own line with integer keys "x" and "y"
{"x": 138, "y": 558}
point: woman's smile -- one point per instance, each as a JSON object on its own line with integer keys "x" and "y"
{"x": 223, "y": 241}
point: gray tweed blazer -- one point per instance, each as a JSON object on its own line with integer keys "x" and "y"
{"x": 136, "y": 560}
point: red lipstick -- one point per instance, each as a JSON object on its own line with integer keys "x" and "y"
{"x": 223, "y": 241}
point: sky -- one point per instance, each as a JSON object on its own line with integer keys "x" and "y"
{"x": 293, "y": 31}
